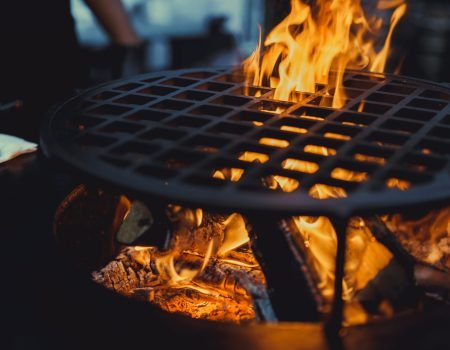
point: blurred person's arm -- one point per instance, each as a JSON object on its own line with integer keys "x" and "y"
{"x": 115, "y": 20}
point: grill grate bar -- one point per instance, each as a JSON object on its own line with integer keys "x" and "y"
{"x": 179, "y": 135}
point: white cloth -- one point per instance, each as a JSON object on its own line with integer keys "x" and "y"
{"x": 12, "y": 147}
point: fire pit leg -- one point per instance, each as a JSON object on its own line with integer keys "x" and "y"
{"x": 334, "y": 324}
{"x": 289, "y": 291}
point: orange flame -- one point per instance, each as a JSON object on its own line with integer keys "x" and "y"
{"x": 365, "y": 256}
{"x": 234, "y": 235}
{"x": 315, "y": 44}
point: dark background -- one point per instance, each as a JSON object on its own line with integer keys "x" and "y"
{"x": 31, "y": 190}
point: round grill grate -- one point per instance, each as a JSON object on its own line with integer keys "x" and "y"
{"x": 204, "y": 138}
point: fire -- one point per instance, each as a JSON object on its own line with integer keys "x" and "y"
{"x": 208, "y": 247}
{"x": 293, "y": 129}
{"x": 202, "y": 273}
{"x": 254, "y": 157}
{"x": 316, "y": 43}
{"x": 235, "y": 234}
{"x": 274, "y": 142}
{"x": 300, "y": 165}
{"x": 232, "y": 174}
{"x": 365, "y": 256}
{"x": 312, "y": 46}
{"x": 427, "y": 237}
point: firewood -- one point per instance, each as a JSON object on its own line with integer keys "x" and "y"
{"x": 225, "y": 290}
{"x": 426, "y": 236}
{"x": 409, "y": 257}
{"x": 429, "y": 277}
{"x": 293, "y": 298}
{"x": 392, "y": 285}
{"x": 189, "y": 233}
{"x": 398, "y": 281}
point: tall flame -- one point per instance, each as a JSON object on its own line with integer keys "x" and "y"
{"x": 316, "y": 43}
{"x": 312, "y": 47}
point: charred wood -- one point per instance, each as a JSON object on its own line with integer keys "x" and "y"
{"x": 398, "y": 282}
{"x": 289, "y": 289}
{"x": 424, "y": 235}
{"x": 223, "y": 291}
{"x": 392, "y": 285}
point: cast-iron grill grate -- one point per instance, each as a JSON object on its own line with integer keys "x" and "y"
{"x": 165, "y": 135}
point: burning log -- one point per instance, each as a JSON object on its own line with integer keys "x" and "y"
{"x": 380, "y": 287}
{"x": 200, "y": 273}
{"x": 196, "y": 230}
{"x": 391, "y": 289}
{"x": 425, "y": 236}
{"x": 222, "y": 292}
{"x": 408, "y": 253}
{"x": 397, "y": 282}
{"x": 431, "y": 278}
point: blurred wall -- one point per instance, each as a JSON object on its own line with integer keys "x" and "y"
{"x": 161, "y": 23}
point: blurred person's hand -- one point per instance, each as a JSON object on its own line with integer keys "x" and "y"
{"x": 126, "y": 51}
{"x": 115, "y": 20}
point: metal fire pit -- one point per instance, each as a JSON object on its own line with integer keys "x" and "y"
{"x": 162, "y": 136}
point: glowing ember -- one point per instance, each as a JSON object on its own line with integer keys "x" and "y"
{"x": 208, "y": 271}
{"x": 219, "y": 293}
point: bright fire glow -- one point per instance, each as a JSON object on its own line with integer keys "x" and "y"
{"x": 254, "y": 157}
{"x": 268, "y": 141}
{"x": 313, "y": 45}
{"x": 426, "y": 237}
{"x": 293, "y": 129}
{"x": 316, "y": 43}
{"x": 231, "y": 174}
{"x": 365, "y": 256}
{"x": 300, "y": 165}
{"x": 235, "y": 234}
{"x": 207, "y": 248}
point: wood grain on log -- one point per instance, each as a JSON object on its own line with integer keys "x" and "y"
{"x": 224, "y": 291}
